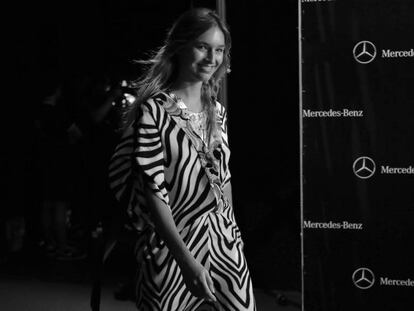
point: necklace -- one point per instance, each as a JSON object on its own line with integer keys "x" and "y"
{"x": 197, "y": 120}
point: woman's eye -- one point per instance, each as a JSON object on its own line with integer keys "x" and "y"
{"x": 220, "y": 50}
{"x": 202, "y": 47}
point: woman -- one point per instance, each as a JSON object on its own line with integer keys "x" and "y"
{"x": 177, "y": 186}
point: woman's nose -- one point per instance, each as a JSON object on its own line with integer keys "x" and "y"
{"x": 210, "y": 55}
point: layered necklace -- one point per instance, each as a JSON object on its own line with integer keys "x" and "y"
{"x": 197, "y": 120}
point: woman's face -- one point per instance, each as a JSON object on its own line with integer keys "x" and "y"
{"x": 200, "y": 59}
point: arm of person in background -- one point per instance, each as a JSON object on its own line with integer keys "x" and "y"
{"x": 100, "y": 112}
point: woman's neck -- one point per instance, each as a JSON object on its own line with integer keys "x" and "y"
{"x": 190, "y": 94}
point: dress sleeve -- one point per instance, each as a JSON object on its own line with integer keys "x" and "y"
{"x": 149, "y": 154}
{"x": 137, "y": 166}
{"x": 226, "y": 146}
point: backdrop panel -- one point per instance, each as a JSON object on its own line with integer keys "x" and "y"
{"x": 357, "y": 154}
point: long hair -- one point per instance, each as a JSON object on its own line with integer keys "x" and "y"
{"x": 163, "y": 66}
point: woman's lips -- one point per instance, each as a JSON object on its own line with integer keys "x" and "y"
{"x": 207, "y": 68}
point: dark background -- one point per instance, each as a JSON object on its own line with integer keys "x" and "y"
{"x": 67, "y": 40}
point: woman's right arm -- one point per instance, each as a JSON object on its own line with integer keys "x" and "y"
{"x": 196, "y": 277}
{"x": 149, "y": 155}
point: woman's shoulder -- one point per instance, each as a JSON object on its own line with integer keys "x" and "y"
{"x": 159, "y": 98}
{"x": 157, "y": 101}
{"x": 163, "y": 103}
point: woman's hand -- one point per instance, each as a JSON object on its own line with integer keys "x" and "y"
{"x": 198, "y": 280}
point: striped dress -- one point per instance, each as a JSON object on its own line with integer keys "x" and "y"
{"x": 164, "y": 152}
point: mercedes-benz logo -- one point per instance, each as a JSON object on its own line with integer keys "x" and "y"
{"x": 363, "y": 278}
{"x": 364, "y": 52}
{"x": 364, "y": 167}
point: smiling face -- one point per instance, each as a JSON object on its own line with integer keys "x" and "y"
{"x": 199, "y": 60}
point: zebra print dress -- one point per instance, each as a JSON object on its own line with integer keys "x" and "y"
{"x": 189, "y": 177}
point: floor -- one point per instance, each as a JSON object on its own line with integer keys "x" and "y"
{"x": 35, "y": 295}
{"x": 51, "y": 285}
